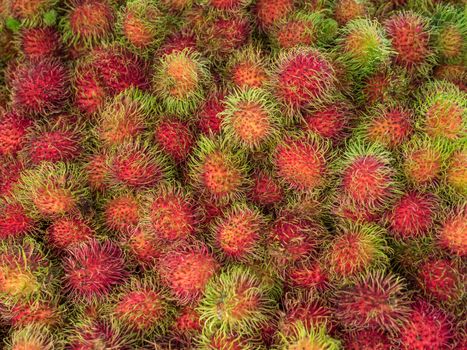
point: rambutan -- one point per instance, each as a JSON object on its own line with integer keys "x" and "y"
{"x": 39, "y": 43}
{"x": 301, "y": 162}
{"x": 367, "y": 340}
{"x": 413, "y": 215}
{"x": 265, "y": 190}
{"x": 178, "y": 41}
{"x": 187, "y": 322}
{"x": 30, "y": 11}
{"x": 237, "y": 234}
{"x": 10, "y": 172}
{"x": 453, "y": 73}
{"x": 366, "y": 175}
{"x": 363, "y": 47}
{"x": 440, "y": 279}
{"x": 250, "y": 118}
{"x": 13, "y": 130}
{"x": 93, "y": 269}
{"x": 375, "y": 300}
{"x": 137, "y": 165}
{"x": 451, "y": 233}
{"x": 88, "y": 22}
{"x": 390, "y": 126}
{"x": 218, "y": 170}
{"x": 384, "y": 86}
{"x": 357, "y": 248}
{"x": 209, "y": 115}
{"x": 67, "y": 231}
{"x": 303, "y": 77}
{"x": 450, "y": 32}
{"x": 33, "y": 313}
{"x": 40, "y": 87}
{"x": 14, "y": 222}
{"x": 51, "y": 190}
{"x": 455, "y": 174}
{"x": 142, "y": 24}
{"x": 187, "y": 271}
{"x": 220, "y": 340}
{"x": 428, "y": 328}
{"x": 175, "y": 137}
{"x": 228, "y": 5}
{"x": 302, "y": 337}
{"x": 443, "y": 107}
{"x": 89, "y": 91}
{"x": 144, "y": 247}
{"x": 122, "y": 213}
{"x": 348, "y": 10}
{"x": 97, "y": 171}
{"x": 236, "y": 299}
{"x": 32, "y": 338}
{"x": 308, "y": 274}
{"x": 269, "y": 12}
{"x": 177, "y": 5}
{"x": 124, "y": 117}
{"x": 247, "y": 68}
{"x": 331, "y": 121}
{"x": 179, "y": 81}
{"x": 410, "y": 38}
{"x": 142, "y": 306}
{"x": 171, "y": 213}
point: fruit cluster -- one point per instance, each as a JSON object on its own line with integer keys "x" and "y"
{"x": 233, "y": 174}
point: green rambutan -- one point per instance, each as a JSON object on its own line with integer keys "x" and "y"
{"x": 250, "y": 118}
{"x": 175, "y": 137}
{"x": 67, "y": 231}
{"x": 455, "y": 174}
{"x": 366, "y": 175}
{"x": 376, "y": 301}
{"x": 266, "y": 190}
{"x": 428, "y": 328}
{"x": 450, "y": 34}
{"x": 141, "y": 306}
{"x": 170, "y": 213}
{"x": 40, "y": 87}
{"x": 236, "y": 299}
{"x": 39, "y": 43}
{"x": 87, "y": 22}
{"x": 122, "y": 212}
{"x": 13, "y": 131}
{"x": 137, "y": 165}
{"x": 453, "y": 73}
{"x": 209, "y": 115}
{"x": 248, "y": 68}
{"x": 367, "y": 340}
{"x": 357, "y": 248}
{"x": 304, "y": 338}
{"x": 451, "y": 233}
{"x": 179, "y": 81}
{"x": 143, "y": 24}
{"x": 346, "y": 11}
{"x": 237, "y": 234}
{"x": 51, "y": 190}
{"x": 390, "y": 126}
{"x": 32, "y": 338}
{"x": 231, "y": 340}
{"x": 443, "y": 107}
{"x": 410, "y": 40}
{"x": 14, "y": 222}
{"x": 217, "y": 170}
{"x": 302, "y": 77}
{"x": 301, "y": 162}
{"x": 186, "y": 271}
{"x": 93, "y": 269}
{"x": 363, "y": 47}
{"x": 413, "y": 215}
{"x": 124, "y": 117}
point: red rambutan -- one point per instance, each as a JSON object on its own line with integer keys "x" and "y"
{"x": 451, "y": 234}
{"x": 122, "y": 213}
{"x": 440, "y": 279}
{"x": 265, "y": 190}
{"x": 367, "y": 340}
{"x": 89, "y": 91}
{"x": 10, "y": 172}
{"x": 269, "y": 12}
{"x": 247, "y": 68}
{"x": 348, "y": 10}
{"x": 175, "y": 138}
{"x": 456, "y": 172}
{"x": 65, "y": 232}
{"x": 308, "y": 275}
{"x": 38, "y": 43}
{"x": 14, "y": 222}
{"x": 209, "y": 115}
{"x": 97, "y": 171}
{"x": 13, "y": 131}
{"x": 144, "y": 247}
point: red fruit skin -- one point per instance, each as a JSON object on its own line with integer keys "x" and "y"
{"x": 186, "y": 272}
{"x": 367, "y": 340}
{"x": 178, "y": 41}
{"x": 34, "y": 313}
{"x": 428, "y": 328}
{"x": 188, "y": 322}
{"x": 410, "y": 39}
{"x": 97, "y": 332}
{"x": 451, "y": 234}
{"x": 175, "y": 138}
{"x": 412, "y": 215}
{"x": 89, "y": 91}
{"x": 13, "y": 131}
{"x": 330, "y": 122}
{"x": 303, "y": 78}
{"x": 10, "y": 172}
{"x": 269, "y": 12}
{"x": 40, "y": 42}
{"x": 310, "y": 313}
{"x": 392, "y": 128}
{"x": 97, "y": 171}
{"x": 226, "y": 4}
{"x": 122, "y": 213}
{"x": 348, "y": 10}
{"x": 308, "y": 275}
{"x": 93, "y": 269}
{"x": 54, "y": 146}
{"x": 209, "y": 115}
{"x": 144, "y": 247}
{"x": 440, "y": 279}
{"x": 14, "y": 222}
{"x": 40, "y": 87}
{"x": 66, "y": 232}
{"x": 266, "y": 190}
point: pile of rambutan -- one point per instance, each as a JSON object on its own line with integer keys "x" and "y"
{"x": 233, "y": 174}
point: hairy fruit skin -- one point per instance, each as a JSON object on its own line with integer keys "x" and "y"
{"x": 452, "y": 231}
{"x": 122, "y": 213}
{"x": 440, "y": 279}
{"x": 270, "y": 12}
{"x": 14, "y": 222}
{"x": 40, "y": 42}
{"x": 13, "y": 130}
{"x": 175, "y": 138}
{"x": 68, "y": 231}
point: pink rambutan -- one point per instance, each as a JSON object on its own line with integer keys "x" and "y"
{"x": 428, "y": 328}
{"x": 265, "y": 190}
{"x": 175, "y": 138}
{"x": 93, "y": 269}
{"x": 376, "y": 301}
{"x": 187, "y": 271}
{"x": 122, "y": 213}
{"x": 440, "y": 279}
{"x": 40, "y": 87}
{"x": 187, "y": 322}
{"x": 413, "y": 215}
{"x": 269, "y": 12}
{"x": 301, "y": 162}
{"x": 13, "y": 130}
{"x": 209, "y": 115}
{"x": 302, "y": 77}
{"x": 14, "y": 221}
{"x": 451, "y": 233}
{"x": 38, "y": 43}
{"x": 66, "y": 232}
